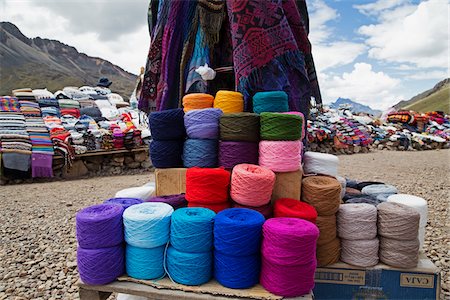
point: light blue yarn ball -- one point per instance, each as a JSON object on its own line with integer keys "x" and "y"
{"x": 200, "y": 153}
{"x": 189, "y": 268}
{"x": 144, "y": 263}
{"x": 191, "y": 229}
{"x": 377, "y": 189}
{"x": 147, "y": 225}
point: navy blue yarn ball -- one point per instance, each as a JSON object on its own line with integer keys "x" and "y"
{"x": 167, "y": 124}
{"x": 166, "y": 154}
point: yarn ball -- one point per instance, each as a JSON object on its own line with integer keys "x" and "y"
{"x": 301, "y": 115}
{"x": 166, "y": 154}
{"x": 200, "y": 153}
{"x": 320, "y": 163}
{"x": 377, "y": 189}
{"x": 147, "y": 225}
{"x": 273, "y": 101}
{"x": 124, "y": 202}
{"x": 328, "y": 253}
{"x": 361, "y": 253}
{"x": 167, "y": 124}
{"x": 101, "y": 265}
{"x": 191, "y": 229}
{"x": 280, "y": 156}
{"x": 322, "y": 192}
{"x": 293, "y": 208}
{"x": 280, "y": 127}
{"x": 357, "y": 221}
{"x": 398, "y": 221}
{"x": 237, "y": 231}
{"x": 189, "y": 268}
{"x": 229, "y": 101}
{"x": 418, "y": 203}
{"x": 363, "y": 184}
{"x": 176, "y": 201}
{"x": 236, "y": 272}
{"x": 99, "y": 226}
{"x": 251, "y": 185}
{"x": 363, "y": 198}
{"x": 197, "y": 101}
{"x": 145, "y": 263}
{"x": 399, "y": 253}
{"x": 234, "y": 153}
{"x": 242, "y": 127}
{"x": 205, "y": 185}
{"x": 203, "y": 123}
{"x": 383, "y": 197}
{"x": 215, "y": 207}
{"x": 265, "y": 210}
{"x": 351, "y": 193}
{"x": 327, "y": 228}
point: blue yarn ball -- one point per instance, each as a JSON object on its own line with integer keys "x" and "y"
{"x": 274, "y": 101}
{"x": 203, "y": 123}
{"x": 237, "y": 272}
{"x": 167, "y": 124}
{"x": 144, "y": 263}
{"x": 166, "y": 154}
{"x": 237, "y": 231}
{"x": 189, "y": 268}
{"x": 191, "y": 229}
{"x": 200, "y": 153}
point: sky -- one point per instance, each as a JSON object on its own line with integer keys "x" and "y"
{"x": 376, "y": 52}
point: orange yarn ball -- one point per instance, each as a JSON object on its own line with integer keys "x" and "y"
{"x": 197, "y": 101}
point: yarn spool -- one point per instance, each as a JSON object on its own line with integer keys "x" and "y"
{"x": 145, "y": 263}
{"x": 274, "y": 101}
{"x": 166, "y": 154}
{"x": 288, "y": 256}
{"x": 351, "y": 193}
{"x": 99, "y": 226}
{"x": 293, "y": 208}
{"x": 399, "y": 253}
{"x": 343, "y": 183}
{"x": 297, "y": 113}
{"x": 328, "y": 253}
{"x": 240, "y": 127}
{"x": 237, "y": 231}
{"x": 234, "y": 153}
{"x": 203, "y": 123}
{"x": 320, "y": 163}
{"x": 363, "y": 184}
{"x": 280, "y": 156}
{"x": 367, "y": 199}
{"x": 205, "y": 185}
{"x": 197, "y": 101}
{"x": 215, "y": 207}
{"x": 357, "y": 221}
{"x": 229, "y": 101}
{"x": 383, "y": 197}
{"x": 124, "y": 202}
{"x": 398, "y": 221}
{"x": 167, "y": 124}
{"x": 102, "y": 265}
{"x": 176, "y": 201}
{"x": 361, "y": 253}
{"x": 189, "y": 268}
{"x": 323, "y": 193}
{"x": 265, "y": 210}
{"x": 191, "y": 229}
{"x": 327, "y": 228}
{"x": 200, "y": 153}
{"x": 280, "y": 127}
{"x": 147, "y": 225}
{"x": 251, "y": 185}
{"x": 377, "y": 189}
{"x": 236, "y": 272}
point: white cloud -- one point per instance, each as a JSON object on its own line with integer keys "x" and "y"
{"x": 411, "y": 34}
{"x": 363, "y": 85}
{"x": 376, "y": 7}
{"x": 425, "y": 74}
{"x": 320, "y": 15}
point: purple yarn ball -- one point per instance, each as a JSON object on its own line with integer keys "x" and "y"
{"x": 203, "y": 123}
{"x": 101, "y": 266}
{"x": 100, "y": 226}
{"x": 124, "y": 202}
{"x": 235, "y": 153}
{"x": 176, "y": 201}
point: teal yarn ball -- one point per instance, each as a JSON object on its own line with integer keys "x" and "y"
{"x": 275, "y": 101}
{"x": 191, "y": 229}
{"x": 189, "y": 268}
{"x": 144, "y": 263}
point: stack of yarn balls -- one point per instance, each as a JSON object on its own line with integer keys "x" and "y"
{"x": 237, "y": 243}
{"x": 357, "y": 228}
{"x": 324, "y": 193}
{"x": 190, "y": 254}
{"x": 168, "y": 134}
{"x": 208, "y": 187}
{"x": 229, "y": 102}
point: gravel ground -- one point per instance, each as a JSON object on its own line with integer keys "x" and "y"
{"x": 37, "y": 232}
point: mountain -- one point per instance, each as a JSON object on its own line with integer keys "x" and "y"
{"x": 355, "y": 106}
{"x": 40, "y": 63}
{"x": 436, "y": 98}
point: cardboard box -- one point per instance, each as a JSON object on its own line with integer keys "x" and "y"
{"x": 287, "y": 185}
{"x": 170, "y": 181}
{"x": 344, "y": 281}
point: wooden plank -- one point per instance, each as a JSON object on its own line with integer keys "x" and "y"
{"x": 105, "y": 152}
{"x": 93, "y": 295}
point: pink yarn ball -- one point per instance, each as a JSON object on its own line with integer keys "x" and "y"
{"x": 280, "y": 156}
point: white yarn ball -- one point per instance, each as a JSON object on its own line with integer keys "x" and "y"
{"x": 320, "y": 163}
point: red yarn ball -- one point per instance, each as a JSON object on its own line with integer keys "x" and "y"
{"x": 216, "y": 207}
{"x": 292, "y": 208}
{"x": 207, "y": 185}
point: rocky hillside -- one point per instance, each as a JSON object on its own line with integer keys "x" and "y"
{"x": 40, "y": 63}
{"x": 355, "y": 106}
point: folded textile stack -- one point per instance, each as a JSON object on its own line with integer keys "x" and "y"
{"x": 70, "y": 111}
{"x": 128, "y": 140}
{"x": 86, "y": 102}
{"x": 30, "y": 109}
{"x": 50, "y": 111}
{"x": 108, "y": 110}
{"x": 68, "y": 103}
{"x": 43, "y": 94}
{"x": 118, "y": 138}
{"x": 48, "y": 102}
{"x": 68, "y": 122}
{"x": 25, "y": 95}
{"x": 42, "y": 148}
{"x": 107, "y": 139}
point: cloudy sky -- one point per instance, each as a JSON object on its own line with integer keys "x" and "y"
{"x": 376, "y": 52}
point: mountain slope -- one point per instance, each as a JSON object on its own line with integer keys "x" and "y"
{"x": 39, "y": 63}
{"x": 355, "y": 106}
